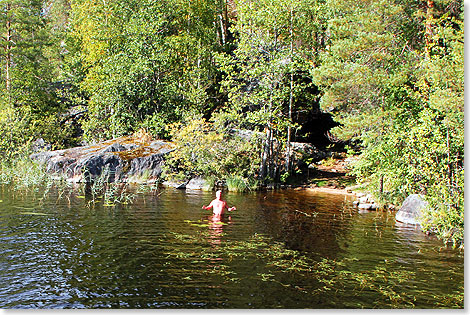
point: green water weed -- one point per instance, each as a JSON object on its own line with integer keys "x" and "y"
{"x": 329, "y": 274}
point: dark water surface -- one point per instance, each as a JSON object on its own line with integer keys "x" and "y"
{"x": 283, "y": 249}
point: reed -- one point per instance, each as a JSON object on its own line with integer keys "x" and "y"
{"x": 240, "y": 184}
{"x": 104, "y": 187}
{"x": 24, "y": 173}
{"x": 236, "y": 183}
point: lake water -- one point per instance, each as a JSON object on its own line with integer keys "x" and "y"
{"x": 279, "y": 249}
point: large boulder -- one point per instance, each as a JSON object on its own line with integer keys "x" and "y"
{"x": 198, "y": 183}
{"x": 123, "y": 159}
{"x": 411, "y": 210}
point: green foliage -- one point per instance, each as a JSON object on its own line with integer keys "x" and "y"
{"x": 19, "y": 127}
{"x": 25, "y": 74}
{"x": 259, "y": 75}
{"x": 204, "y": 150}
{"x": 149, "y": 63}
{"x": 329, "y": 161}
{"x": 15, "y": 135}
{"x": 401, "y": 98}
{"x": 29, "y": 104}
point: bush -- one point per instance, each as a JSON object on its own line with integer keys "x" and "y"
{"x": 15, "y": 133}
{"x": 206, "y": 151}
{"x": 422, "y": 155}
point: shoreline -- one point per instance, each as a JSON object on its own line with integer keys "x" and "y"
{"x": 337, "y": 191}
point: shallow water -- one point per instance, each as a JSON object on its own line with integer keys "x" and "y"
{"x": 282, "y": 249}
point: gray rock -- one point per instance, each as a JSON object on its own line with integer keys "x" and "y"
{"x": 198, "y": 183}
{"x": 363, "y": 200}
{"x": 40, "y": 145}
{"x": 151, "y": 164}
{"x": 247, "y": 134}
{"x": 367, "y": 206}
{"x": 94, "y": 166}
{"x": 177, "y": 185}
{"x": 120, "y": 158}
{"x": 302, "y": 150}
{"x": 410, "y": 211}
{"x": 115, "y": 147}
{"x": 42, "y": 157}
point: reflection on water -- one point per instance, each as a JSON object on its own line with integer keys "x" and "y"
{"x": 216, "y": 227}
{"x": 281, "y": 249}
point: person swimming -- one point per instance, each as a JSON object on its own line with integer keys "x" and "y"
{"x": 218, "y": 205}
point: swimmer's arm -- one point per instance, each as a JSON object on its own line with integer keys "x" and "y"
{"x": 209, "y": 206}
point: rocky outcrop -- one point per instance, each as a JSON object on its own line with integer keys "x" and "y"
{"x": 123, "y": 159}
{"x": 410, "y": 211}
{"x": 303, "y": 150}
{"x": 138, "y": 159}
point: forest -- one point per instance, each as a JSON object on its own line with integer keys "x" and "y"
{"x": 390, "y": 73}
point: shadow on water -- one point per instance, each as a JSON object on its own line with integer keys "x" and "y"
{"x": 279, "y": 249}
{"x": 307, "y": 221}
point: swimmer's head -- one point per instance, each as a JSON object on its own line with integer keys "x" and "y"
{"x": 218, "y": 194}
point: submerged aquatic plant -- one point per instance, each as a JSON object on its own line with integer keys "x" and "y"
{"x": 387, "y": 282}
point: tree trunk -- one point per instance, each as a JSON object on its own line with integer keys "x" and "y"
{"x": 428, "y": 43}
{"x": 450, "y": 175}
{"x": 288, "y": 151}
{"x": 266, "y": 160}
{"x": 8, "y": 51}
{"x": 222, "y": 30}
{"x": 429, "y": 28}
{"x": 265, "y": 157}
{"x": 272, "y": 155}
{"x": 225, "y": 18}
